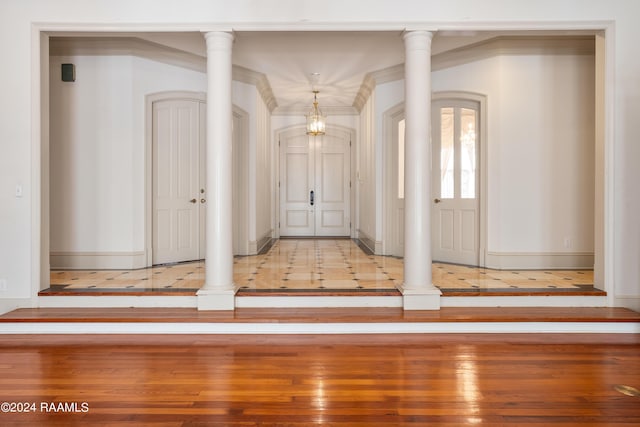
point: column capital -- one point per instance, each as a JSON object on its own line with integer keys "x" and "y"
{"x": 414, "y": 34}
{"x": 219, "y": 39}
{"x": 417, "y": 41}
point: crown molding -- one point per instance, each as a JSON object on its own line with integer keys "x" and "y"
{"x": 371, "y": 80}
{"x": 63, "y": 46}
{"x": 514, "y": 45}
{"x": 501, "y": 45}
{"x": 260, "y": 81}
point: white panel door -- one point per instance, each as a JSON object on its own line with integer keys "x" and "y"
{"x": 455, "y": 148}
{"x": 296, "y": 184}
{"x": 315, "y": 194}
{"x": 178, "y": 196}
{"x": 332, "y": 185}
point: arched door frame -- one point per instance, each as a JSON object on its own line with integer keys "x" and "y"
{"x": 148, "y": 159}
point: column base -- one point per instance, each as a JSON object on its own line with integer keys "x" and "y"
{"x": 421, "y": 299}
{"x": 214, "y": 299}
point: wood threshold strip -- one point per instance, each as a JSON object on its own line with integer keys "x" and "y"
{"x": 331, "y": 293}
{"x": 323, "y": 315}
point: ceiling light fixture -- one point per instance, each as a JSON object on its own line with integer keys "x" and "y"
{"x": 316, "y": 123}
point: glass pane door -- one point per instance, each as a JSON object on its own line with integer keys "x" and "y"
{"x": 457, "y": 153}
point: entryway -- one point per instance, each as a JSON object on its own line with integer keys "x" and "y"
{"x": 315, "y": 183}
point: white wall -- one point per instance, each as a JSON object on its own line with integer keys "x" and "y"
{"x": 367, "y": 217}
{"x": 371, "y": 164}
{"x": 258, "y": 169}
{"x": 387, "y": 96}
{"x": 91, "y": 146}
{"x": 20, "y": 142}
{"x": 540, "y": 149}
{"x": 98, "y": 150}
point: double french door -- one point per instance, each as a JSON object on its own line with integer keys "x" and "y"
{"x": 315, "y": 193}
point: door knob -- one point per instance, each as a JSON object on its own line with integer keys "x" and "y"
{"x": 193, "y": 201}
{"x": 203, "y": 200}
{"x": 436, "y": 200}
{"x": 311, "y": 196}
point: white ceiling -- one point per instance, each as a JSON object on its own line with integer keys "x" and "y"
{"x": 341, "y": 60}
{"x": 288, "y": 59}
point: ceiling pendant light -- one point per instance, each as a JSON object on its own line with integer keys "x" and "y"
{"x": 315, "y": 120}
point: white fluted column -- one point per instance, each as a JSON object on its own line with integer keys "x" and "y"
{"x": 419, "y": 293}
{"x": 218, "y": 290}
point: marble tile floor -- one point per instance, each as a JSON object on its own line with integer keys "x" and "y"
{"x": 323, "y": 265}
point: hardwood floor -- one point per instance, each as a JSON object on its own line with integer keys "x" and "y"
{"x": 355, "y": 380}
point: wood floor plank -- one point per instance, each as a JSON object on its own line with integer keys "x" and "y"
{"x": 331, "y": 380}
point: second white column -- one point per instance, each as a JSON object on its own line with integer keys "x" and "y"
{"x": 418, "y": 290}
{"x": 218, "y": 290}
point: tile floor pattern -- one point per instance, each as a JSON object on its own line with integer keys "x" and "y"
{"x": 166, "y": 278}
{"x": 322, "y": 264}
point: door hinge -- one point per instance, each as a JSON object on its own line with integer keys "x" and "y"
{"x": 278, "y": 224}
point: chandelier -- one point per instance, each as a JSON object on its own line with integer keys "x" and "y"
{"x": 315, "y": 119}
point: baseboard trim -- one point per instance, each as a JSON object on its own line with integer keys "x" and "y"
{"x": 367, "y": 241}
{"x": 257, "y": 246}
{"x": 540, "y": 260}
{"x": 97, "y": 260}
{"x": 632, "y": 302}
{"x": 10, "y": 304}
{"x": 264, "y": 241}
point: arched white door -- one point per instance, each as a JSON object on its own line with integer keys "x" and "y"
{"x": 178, "y": 180}
{"x": 455, "y": 231}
